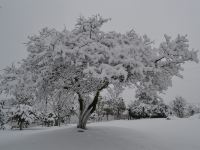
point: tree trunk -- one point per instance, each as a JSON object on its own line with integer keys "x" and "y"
{"x": 85, "y": 112}
{"x": 107, "y": 116}
{"x": 118, "y": 117}
{"x": 85, "y": 115}
{"x": 59, "y": 120}
{"x": 20, "y": 125}
{"x": 83, "y": 119}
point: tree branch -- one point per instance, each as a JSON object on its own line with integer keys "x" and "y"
{"x": 158, "y": 59}
{"x": 80, "y": 100}
{"x": 95, "y": 100}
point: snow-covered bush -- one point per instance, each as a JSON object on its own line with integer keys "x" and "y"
{"x": 50, "y": 119}
{"x": 46, "y": 119}
{"x": 22, "y": 114}
{"x": 142, "y": 110}
{"x": 148, "y": 105}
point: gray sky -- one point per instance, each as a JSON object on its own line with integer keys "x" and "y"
{"x": 20, "y": 18}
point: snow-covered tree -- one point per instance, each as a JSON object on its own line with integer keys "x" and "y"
{"x": 114, "y": 102}
{"x": 119, "y": 107}
{"x": 22, "y": 114}
{"x": 190, "y": 109}
{"x": 108, "y": 107}
{"x": 87, "y": 60}
{"x": 16, "y": 82}
{"x": 3, "y": 116}
{"x": 179, "y": 106}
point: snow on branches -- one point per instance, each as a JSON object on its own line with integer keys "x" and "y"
{"x": 87, "y": 60}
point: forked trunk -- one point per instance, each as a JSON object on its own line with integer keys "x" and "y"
{"x": 83, "y": 121}
{"x": 85, "y": 112}
{"x": 83, "y": 118}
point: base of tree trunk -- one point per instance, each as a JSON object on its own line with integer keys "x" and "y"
{"x": 20, "y": 125}
{"x": 83, "y": 120}
{"x": 81, "y": 126}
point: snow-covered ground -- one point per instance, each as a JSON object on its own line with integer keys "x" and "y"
{"x": 146, "y": 134}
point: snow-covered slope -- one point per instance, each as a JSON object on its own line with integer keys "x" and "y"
{"x": 147, "y": 134}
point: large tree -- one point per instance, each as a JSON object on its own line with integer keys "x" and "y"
{"x": 87, "y": 60}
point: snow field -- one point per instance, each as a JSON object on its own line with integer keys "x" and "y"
{"x": 145, "y": 134}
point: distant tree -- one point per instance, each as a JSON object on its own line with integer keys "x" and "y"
{"x": 3, "y": 116}
{"x": 115, "y": 103}
{"x": 179, "y": 106}
{"x": 119, "y": 107}
{"x": 108, "y": 108}
{"x": 191, "y": 110}
{"x": 100, "y": 112}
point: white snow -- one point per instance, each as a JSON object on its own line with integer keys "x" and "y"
{"x": 145, "y": 134}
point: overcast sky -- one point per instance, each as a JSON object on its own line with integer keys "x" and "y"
{"x": 20, "y": 18}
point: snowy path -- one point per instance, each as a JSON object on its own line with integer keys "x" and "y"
{"x": 155, "y": 134}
